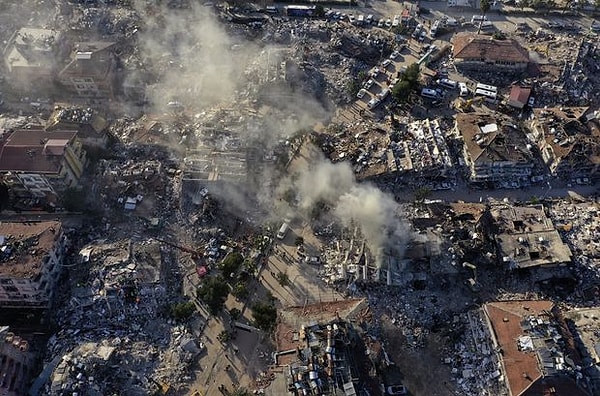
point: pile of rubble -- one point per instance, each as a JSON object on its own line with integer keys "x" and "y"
{"x": 110, "y": 341}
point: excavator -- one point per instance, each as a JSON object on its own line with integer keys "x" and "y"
{"x": 465, "y": 105}
{"x": 197, "y": 254}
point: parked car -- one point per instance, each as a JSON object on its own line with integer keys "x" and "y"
{"x": 313, "y": 260}
{"x": 369, "y": 84}
{"x": 386, "y": 63}
{"x": 394, "y": 55}
{"x": 361, "y": 94}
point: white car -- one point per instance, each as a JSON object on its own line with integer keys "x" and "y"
{"x": 394, "y": 55}
{"x": 368, "y": 84}
{"x": 373, "y": 103}
{"x": 361, "y": 94}
{"x": 388, "y": 22}
{"x": 463, "y": 90}
{"x": 375, "y": 72}
{"x": 386, "y": 63}
{"x": 380, "y": 23}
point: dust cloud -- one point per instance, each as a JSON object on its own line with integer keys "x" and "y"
{"x": 363, "y": 205}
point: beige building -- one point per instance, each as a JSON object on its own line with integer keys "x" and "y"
{"x": 495, "y": 151}
{"x": 32, "y": 55}
{"x": 57, "y": 156}
{"x": 31, "y": 255}
{"x": 473, "y": 51}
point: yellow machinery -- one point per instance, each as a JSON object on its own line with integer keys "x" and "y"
{"x": 465, "y": 105}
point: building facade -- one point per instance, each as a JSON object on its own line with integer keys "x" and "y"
{"x": 31, "y": 254}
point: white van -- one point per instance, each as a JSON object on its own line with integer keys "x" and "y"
{"x": 463, "y": 90}
{"x": 447, "y": 83}
{"x": 478, "y": 18}
{"x": 429, "y": 93}
{"x": 283, "y": 231}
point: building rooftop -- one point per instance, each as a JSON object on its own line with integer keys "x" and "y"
{"x": 534, "y": 349}
{"x": 519, "y": 96}
{"x": 89, "y": 59}
{"x": 24, "y": 245}
{"x": 492, "y": 140}
{"x": 34, "y": 150}
{"x": 32, "y": 47}
{"x": 525, "y": 237}
{"x": 479, "y": 47}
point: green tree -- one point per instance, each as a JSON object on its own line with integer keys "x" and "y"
{"x": 231, "y": 264}
{"x": 319, "y": 10}
{"x": 235, "y": 313}
{"x": 240, "y": 290}
{"x": 484, "y": 6}
{"x": 183, "y": 310}
{"x": 352, "y": 87}
{"x": 213, "y": 292}
{"x": 265, "y": 316}
{"x": 401, "y": 91}
{"x": 422, "y": 193}
{"x": 412, "y": 74}
{"x": 283, "y": 279}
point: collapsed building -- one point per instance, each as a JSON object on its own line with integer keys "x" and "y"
{"x": 32, "y": 257}
{"x": 321, "y": 351}
{"x": 495, "y": 151}
{"x": 569, "y": 141}
{"x": 90, "y": 126}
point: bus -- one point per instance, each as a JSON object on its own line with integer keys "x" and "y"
{"x": 283, "y": 230}
{"x": 485, "y": 87}
{"x": 489, "y": 96}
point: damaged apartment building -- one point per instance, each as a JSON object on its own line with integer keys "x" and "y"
{"x": 569, "y": 141}
{"x": 524, "y": 348}
{"x": 205, "y": 170}
{"x": 474, "y": 52}
{"x": 31, "y": 259}
{"x": 36, "y": 165}
{"x": 321, "y": 351}
{"x": 496, "y": 152}
{"x": 17, "y": 363}
{"x": 38, "y": 58}
{"x": 526, "y": 240}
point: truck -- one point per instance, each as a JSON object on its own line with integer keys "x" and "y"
{"x": 283, "y": 231}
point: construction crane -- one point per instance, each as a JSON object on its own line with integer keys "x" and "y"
{"x": 195, "y": 253}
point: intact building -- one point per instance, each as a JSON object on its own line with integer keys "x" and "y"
{"x": 495, "y": 151}
{"x": 472, "y": 51}
{"x": 90, "y": 70}
{"x": 526, "y": 238}
{"x": 535, "y": 348}
{"x": 31, "y": 255}
{"x": 57, "y": 156}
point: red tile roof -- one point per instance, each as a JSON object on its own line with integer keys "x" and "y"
{"x": 473, "y": 46}
{"x": 33, "y": 150}
{"x": 521, "y": 367}
{"x": 519, "y": 96}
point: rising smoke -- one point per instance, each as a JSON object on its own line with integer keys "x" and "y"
{"x": 363, "y": 205}
{"x": 204, "y": 66}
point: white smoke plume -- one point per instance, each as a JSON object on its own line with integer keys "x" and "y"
{"x": 363, "y": 205}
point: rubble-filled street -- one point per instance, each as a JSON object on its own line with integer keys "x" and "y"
{"x": 299, "y": 198}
